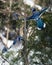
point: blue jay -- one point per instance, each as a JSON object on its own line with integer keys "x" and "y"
{"x": 36, "y": 16}
{"x": 18, "y": 38}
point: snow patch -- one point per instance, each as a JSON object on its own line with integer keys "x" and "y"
{"x": 36, "y": 59}
{"x": 31, "y": 53}
{"x": 29, "y": 2}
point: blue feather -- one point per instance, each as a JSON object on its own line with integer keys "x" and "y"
{"x": 36, "y": 16}
{"x": 40, "y": 23}
{"x": 4, "y": 50}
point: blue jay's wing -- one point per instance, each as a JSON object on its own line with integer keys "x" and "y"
{"x": 42, "y": 11}
{"x": 37, "y": 14}
{"x": 40, "y": 23}
{"x": 34, "y": 16}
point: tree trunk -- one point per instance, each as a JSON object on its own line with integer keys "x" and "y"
{"x": 24, "y": 51}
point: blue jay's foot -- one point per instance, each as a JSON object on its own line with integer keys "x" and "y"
{"x": 4, "y": 50}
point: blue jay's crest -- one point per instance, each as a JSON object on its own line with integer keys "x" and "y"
{"x": 33, "y": 9}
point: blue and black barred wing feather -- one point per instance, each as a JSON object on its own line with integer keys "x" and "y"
{"x": 42, "y": 12}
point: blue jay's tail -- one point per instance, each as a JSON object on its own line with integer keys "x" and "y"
{"x": 40, "y": 24}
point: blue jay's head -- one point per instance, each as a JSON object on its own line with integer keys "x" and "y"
{"x": 14, "y": 16}
{"x": 33, "y": 9}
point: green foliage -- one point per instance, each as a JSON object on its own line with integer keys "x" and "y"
{"x": 39, "y": 41}
{"x": 43, "y": 43}
{"x": 15, "y": 6}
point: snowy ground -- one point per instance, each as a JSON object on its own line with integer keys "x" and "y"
{"x": 31, "y": 3}
{"x": 2, "y": 62}
{"x": 15, "y": 47}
